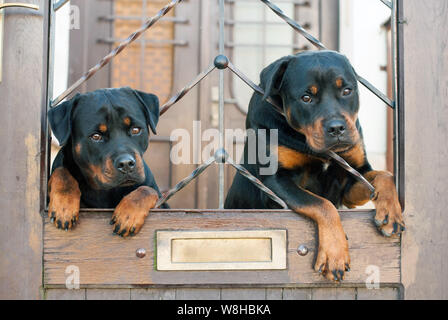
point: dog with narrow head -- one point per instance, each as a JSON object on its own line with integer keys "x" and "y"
{"x": 103, "y": 135}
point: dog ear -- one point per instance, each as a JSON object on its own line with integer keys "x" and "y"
{"x": 151, "y": 107}
{"x": 60, "y": 118}
{"x": 271, "y": 77}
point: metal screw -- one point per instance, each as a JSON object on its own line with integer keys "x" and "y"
{"x": 302, "y": 250}
{"x": 141, "y": 253}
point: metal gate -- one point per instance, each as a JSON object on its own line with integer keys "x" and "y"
{"x": 220, "y": 64}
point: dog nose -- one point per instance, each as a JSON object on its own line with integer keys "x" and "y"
{"x": 125, "y": 163}
{"x": 336, "y": 128}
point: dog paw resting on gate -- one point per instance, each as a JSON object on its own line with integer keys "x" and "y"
{"x": 103, "y": 135}
{"x": 319, "y": 99}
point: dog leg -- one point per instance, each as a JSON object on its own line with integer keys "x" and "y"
{"x": 129, "y": 216}
{"x": 389, "y": 218}
{"x": 65, "y": 197}
{"x": 333, "y": 256}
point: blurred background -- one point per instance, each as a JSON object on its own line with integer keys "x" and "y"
{"x": 170, "y": 55}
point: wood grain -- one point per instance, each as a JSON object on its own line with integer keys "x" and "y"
{"x": 226, "y": 293}
{"x": 106, "y": 260}
{"x": 425, "y": 257}
{"x": 21, "y": 88}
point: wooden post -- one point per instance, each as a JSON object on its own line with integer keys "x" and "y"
{"x": 22, "y": 90}
{"x": 424, "y": 254}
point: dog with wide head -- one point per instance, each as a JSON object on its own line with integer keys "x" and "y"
{"x": 319, "y": 99}
{"x": 103, "y": 135}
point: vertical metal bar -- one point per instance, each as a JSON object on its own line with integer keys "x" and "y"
{"x": 50, "y": 82}
{"x": 397, "y": 65}
{"x": 393, "y": 24}
{"x": 295, "y": 35}
{"x": 143, "y": 47}
{"x": 221, "y": 103}
{"x": 264, "y": 36}
{"x": 45, "y": 147}
{"x": 394, "y": 49}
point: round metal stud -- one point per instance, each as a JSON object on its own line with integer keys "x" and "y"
{"x": 221, "y": 156}
{"x": 221, "y": 62}
{"x": 141, "y": 253}
{"x": 302, "y": 250}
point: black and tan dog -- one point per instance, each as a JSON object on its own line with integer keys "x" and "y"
{"x": 319, "y": 96}
{"x": 103, "y": 135}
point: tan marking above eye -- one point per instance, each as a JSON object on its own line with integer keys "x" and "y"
{"x": 127, "y": 121}
{"x": 339, "y": 83}
{"x": 314, "y": 90}
{"x": 102, "y": 128}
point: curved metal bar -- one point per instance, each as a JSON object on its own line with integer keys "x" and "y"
{"x": 355, "y": 173}
{"x": 220, "y": 157}
{"x": 387, "y": 3}
{"x": 320, "y": 46}
{"x": 376, "y": 92}
{"x": 185, "y": 182}
{"x": 104, "y": 61}
{"x": 243, "y": 171}
{"x": 185, "y": 90}
{"x": 294, "y": 24}
{"x": 251, "y": 84}
{"x": 58, "y": 5}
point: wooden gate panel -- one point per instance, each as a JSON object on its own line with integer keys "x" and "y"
{"x": 110, "y": 269}
{"x": 228, "y": 294}
{"x": 107, "y": 260}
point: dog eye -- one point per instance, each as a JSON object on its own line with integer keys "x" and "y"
{"x": 307, "y": 99}
{"x": 136, "y": 131}
{"x": 96, "y": 137}
{"x": 347, "y": 91}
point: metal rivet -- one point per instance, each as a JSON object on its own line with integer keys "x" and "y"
{"x": 221, "y": 62}
{"x": 141, "y": 253}
{"x": 302, "y": 250}
{"x": 221, "y": 156}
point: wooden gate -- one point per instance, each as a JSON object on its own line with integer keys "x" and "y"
{"x": 157, "y": 63}
{"x": 116, "y": 268}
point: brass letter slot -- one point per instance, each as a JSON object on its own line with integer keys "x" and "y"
{"x": 221, "y": 250}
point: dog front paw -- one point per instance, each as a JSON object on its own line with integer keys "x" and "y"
{"x": 65, "y": 197}
{"x": 389, "y": 218}
{"x": 129, "y": 216}
{"x": 333, "y": 258}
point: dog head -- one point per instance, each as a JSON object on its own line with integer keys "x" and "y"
{"x": 108, "y": 131}
{"x": 319, "y": 94}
